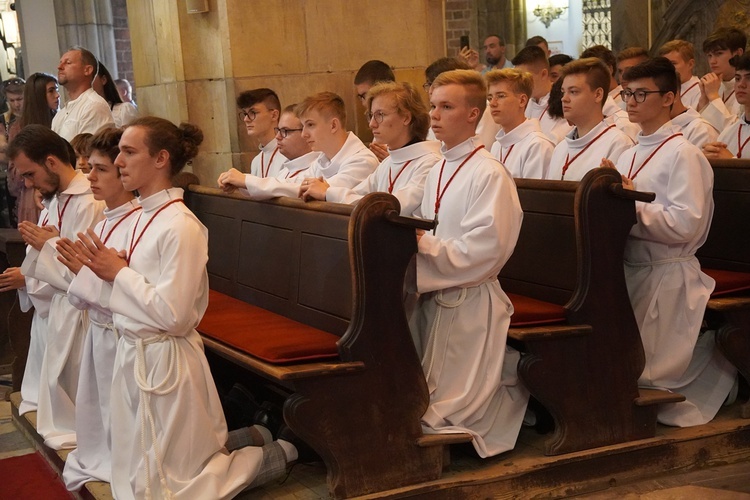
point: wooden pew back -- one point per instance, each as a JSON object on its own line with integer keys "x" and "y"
{"x": 301, "y": 268}
{"x": 728, "y": 243}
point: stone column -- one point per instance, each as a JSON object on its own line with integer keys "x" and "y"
{"x": 87, "y": 23}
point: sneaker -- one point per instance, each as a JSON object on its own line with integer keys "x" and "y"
{"x": 305, "y": 454}
{"x": 732, "y": 396}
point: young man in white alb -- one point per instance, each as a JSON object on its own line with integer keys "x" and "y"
{"x": 42, "y": 158}
{"x": 398, "y": 118}
{"x": 694, "y": 127}
{"x": 91, "y": 460}
{"x": 717, "y": 102}
{"x": 520, "y": 145}
{"x": 462, "y": 318}
{"x": 533, "y": 60}
{"x": 259, "y": 110}
{"x": 734, "y": 142}
{"x": 667, "y": 288}
{"x": 682, "y": 54}
{"x": 487, "y": 129}
{"x": 584, "y": 89}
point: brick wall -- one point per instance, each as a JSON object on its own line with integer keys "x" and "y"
{"x": 122, "y": 41}
{"x": 459, "y": 18}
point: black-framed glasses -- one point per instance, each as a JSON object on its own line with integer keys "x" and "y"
{"x": 640, "y": 95}
{"x": 378, "y": 115}
{"x": 426, "y": 86}
{"x": 284, "y": 132}
{"x": 13, "y": 81}
{"x": 249, "y": 114}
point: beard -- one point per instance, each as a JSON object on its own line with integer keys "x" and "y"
{"x": 52, "y": 180}
{"x": 491, "y": 60}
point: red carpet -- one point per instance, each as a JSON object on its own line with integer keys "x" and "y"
{"x": 30, "y": 477}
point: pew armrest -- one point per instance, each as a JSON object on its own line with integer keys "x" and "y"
{"x": 414, "y": 222}
{"x": 549, "y": 332}
{"x": 630, "y": 194}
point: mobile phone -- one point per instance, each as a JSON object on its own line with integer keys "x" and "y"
{"x": 464, "y": 41}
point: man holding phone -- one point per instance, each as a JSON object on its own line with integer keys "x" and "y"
{"x": 494, "y": 54}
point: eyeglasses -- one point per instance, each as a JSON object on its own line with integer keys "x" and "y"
{"x": 426, "y": 86}
{"x": 640, "y": 95}
{"x": 284, "y": 132}
{"x": 378, "y": 115}
{"x": 13, "y": 81}
{"x": 249, "y": 114}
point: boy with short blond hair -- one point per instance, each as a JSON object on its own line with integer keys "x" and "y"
{"x": 462, "y": 317}
{"x": 681, "y": 53}
{"x": 520, "y": 145}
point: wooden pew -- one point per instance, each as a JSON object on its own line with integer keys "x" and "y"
{"x": 14, "y": 324}
{"x": 584, "y": 366}
{"x": 726, "y": 257}
{"x": 312, "y": 272}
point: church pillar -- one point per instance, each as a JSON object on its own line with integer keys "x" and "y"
{"x": 191, "y": 67}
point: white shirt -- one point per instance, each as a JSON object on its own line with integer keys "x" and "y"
{"x": 690, "y": 92}
{"x": 402, "y": 174}
{"x": 268, "y": 162}
{"x": 614, "y": 114}
{"x": 525, "y": 151}
{"x": 730, "y": 137}
{"x": 724, "y": 110}
{"x": 554, "y": 128}
{"x": 123, "y": 113}
{"x": 349, "y": 166}
{"x": 666, "y": 286}
{"x": 86, "y": 114}
{"x": 585, "y": 153}
{"x": 695, "y": 128}
{"x": 463, "y": 315}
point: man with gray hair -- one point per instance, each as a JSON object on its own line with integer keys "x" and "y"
{"x": 85, "y": 110}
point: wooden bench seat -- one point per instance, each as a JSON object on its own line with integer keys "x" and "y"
{"x": 264, "y": 334}
{"x": 528, "y": 311}
{"x": 728, "y": 282}
{"x": 582, "y": 354}
{"x": 725, "y": 256}
{"x": 308, "y": 297}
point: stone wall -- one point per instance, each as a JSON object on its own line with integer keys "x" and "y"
{"x": 460, "y": 20}
{"x": 192, "y": 66}
{"x": 122, "y": 40}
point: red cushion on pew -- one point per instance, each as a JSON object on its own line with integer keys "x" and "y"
{"x": 264, "y": 334}
{"x": 533, "y": 312}
{"x": 728, "y": 281}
